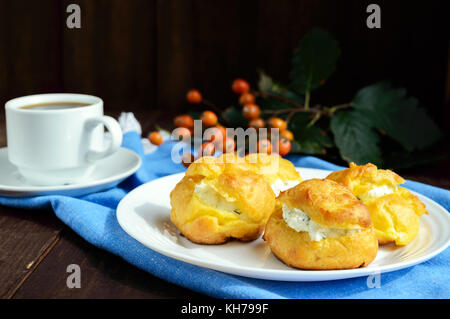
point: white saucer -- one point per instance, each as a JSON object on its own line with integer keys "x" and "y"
{"x": 108, "y": 173}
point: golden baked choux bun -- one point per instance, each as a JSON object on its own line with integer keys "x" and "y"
{"x": 395, "y": 211}
{"x": 320, "y": 224}
{"x": 277, "y": 171}
{"x": 213, "y": 166}
{"x": 217, "y": 201}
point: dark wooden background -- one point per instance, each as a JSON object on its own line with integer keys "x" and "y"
{"x": 143, "y": 55}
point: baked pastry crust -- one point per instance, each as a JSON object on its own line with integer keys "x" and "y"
{"x": 331, "y": 205}
{"x": 272, "y": 167}
{"x": 362, "y": 178}
{"x": 277, "y": 171}
{"x": 395, "y": 214}
{"x": 213, "y": 166}
{"x": 218, "y": 201}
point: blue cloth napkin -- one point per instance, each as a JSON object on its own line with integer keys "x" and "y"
{"x": 93, "y": 217}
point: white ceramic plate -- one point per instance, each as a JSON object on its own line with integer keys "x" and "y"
{"x": 107, "y": 173}
{"x": 144, "y": 215}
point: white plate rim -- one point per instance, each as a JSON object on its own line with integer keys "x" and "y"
{"x": 281, "y": 274}
{"x": 77, "y": 186}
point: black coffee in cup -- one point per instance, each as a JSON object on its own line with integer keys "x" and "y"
{"x": 54, "y": 106}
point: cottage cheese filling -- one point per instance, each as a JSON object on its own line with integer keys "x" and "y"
{"x": 377, "y": 192}
{"x": 301, "y": 222}
{"x": 211, "y": 197}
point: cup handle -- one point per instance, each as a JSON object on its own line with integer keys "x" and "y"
{"x": 116, "y": 137}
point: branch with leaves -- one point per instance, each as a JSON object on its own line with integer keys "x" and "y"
{"x": 379, "y": 121}
{"x": 380, "y": 124}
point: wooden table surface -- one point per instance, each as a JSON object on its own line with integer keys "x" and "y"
{"x": 36, "y": 248}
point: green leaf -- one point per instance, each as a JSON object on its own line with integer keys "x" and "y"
{"x": 356, "y": 140}
{"x": 270, "y": 103}
{"x": 294, "y": 97}
{"x": 234, "y": 118}
{"x": 265, "y": 82}
{"x": 268, "y": 85}
{"x": 399, "y": 116}
{"x": 314, "y": 60}
{"x": 308, "y": 139}
{"x": 311, "y": 140}
{"x": 299, "y": 121}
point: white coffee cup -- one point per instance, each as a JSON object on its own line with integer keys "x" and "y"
{"x": 55, "y": 139}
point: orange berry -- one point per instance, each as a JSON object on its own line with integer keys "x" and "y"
{"x": 264, "y": 146}
{"x": 194, "y": 96}
{"x": 209, "y": 118}
{"x": 287, "y": 135}
{"x": 214, "y": 134}
{"x": 240, "y": 86}
{"x": 207, "y": 149}
{"x": 257, "y": 123}
{"x": 251, "y": 111}
{"x": 181, "y": 133}
{"x": 284, "y": 146}
{"x": 247, "y": 98}
{"x": 155, "y": 138}
{"x": 184, "y": 120}
{"x": 229, "y": 145}
{"x": 187, "y": 159}
{"x": 222, "y": 129}
{"x": 276, "y": 122}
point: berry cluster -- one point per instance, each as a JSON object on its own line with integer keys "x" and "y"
{"x": 216, "y": 138}
{"x": 252, "y": 113}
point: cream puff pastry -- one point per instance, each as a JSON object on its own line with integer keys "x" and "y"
{"x": 278, "y": 172}
{"x": 321, "y": 225}
{"x": 395, "y": 211}
{"x": 220, "y": 199}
